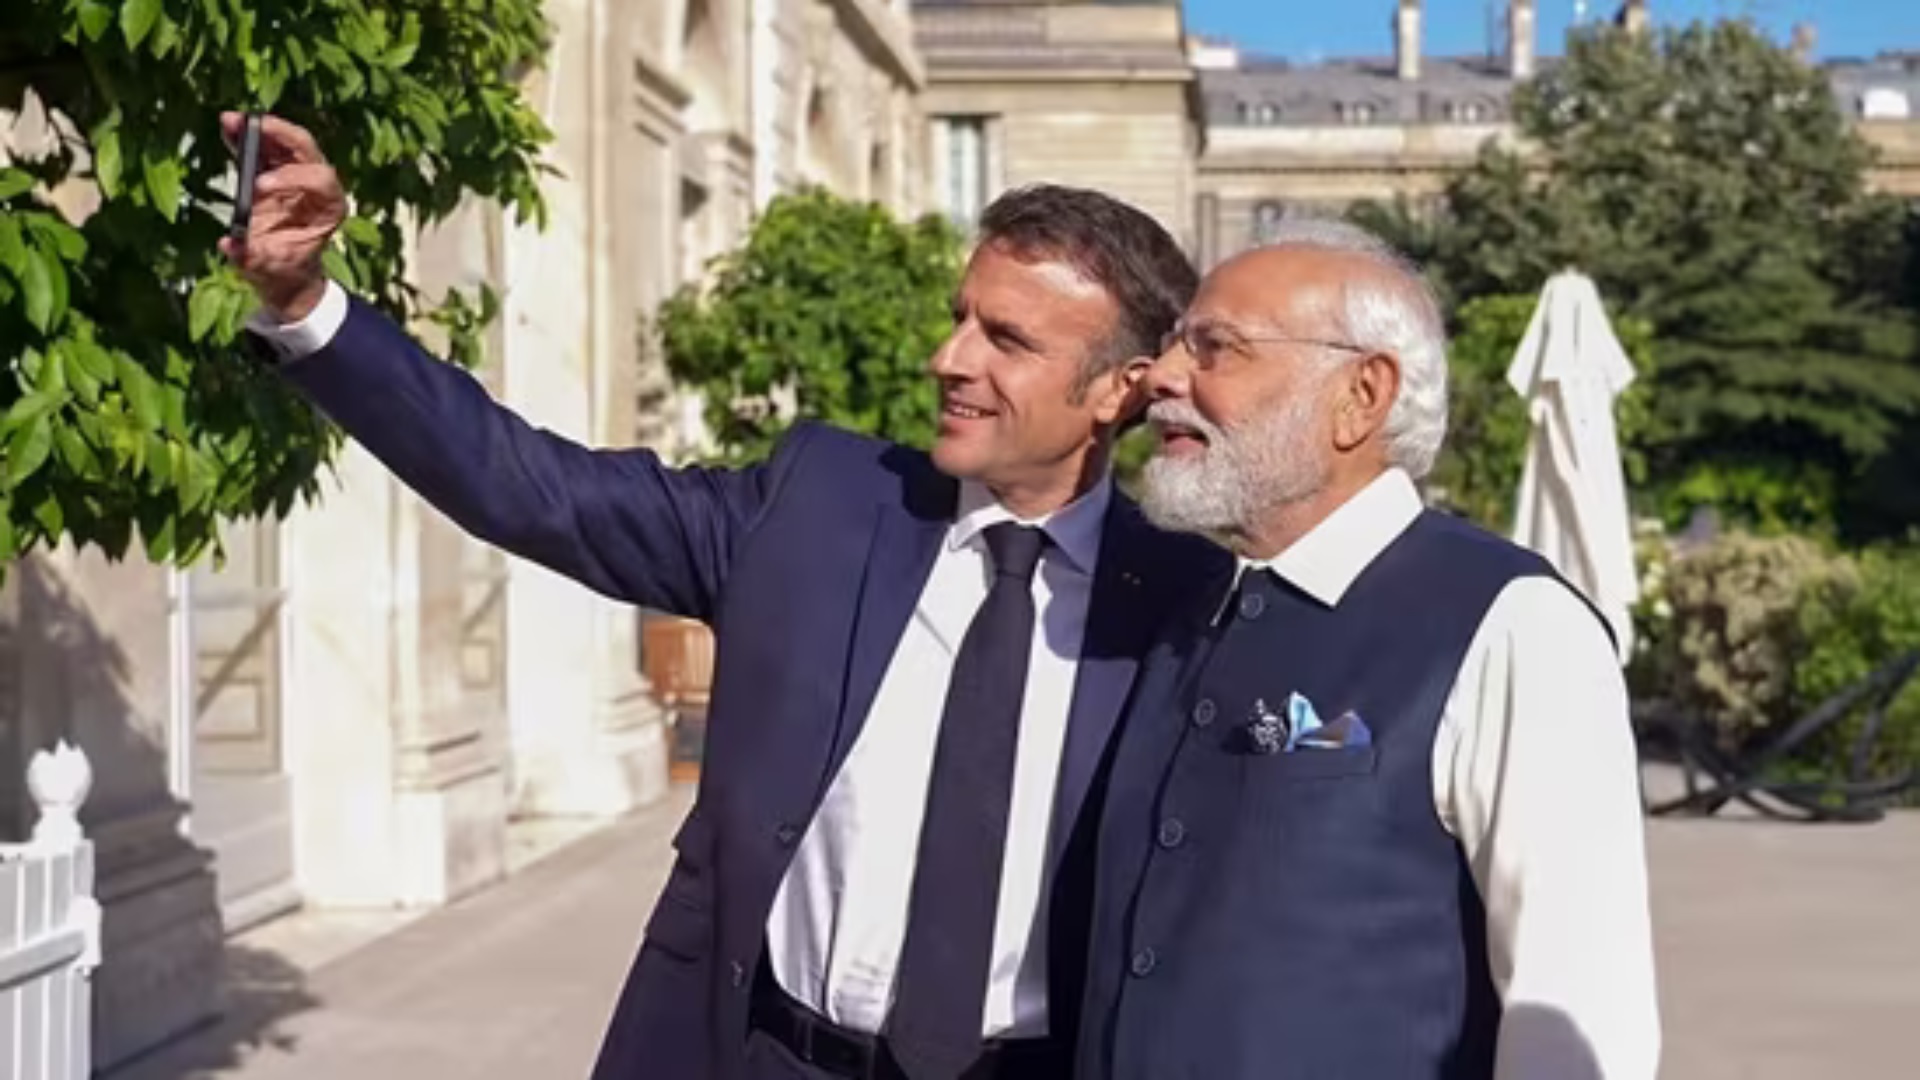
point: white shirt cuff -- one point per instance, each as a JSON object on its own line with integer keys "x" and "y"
{"x": 307, "y": 336}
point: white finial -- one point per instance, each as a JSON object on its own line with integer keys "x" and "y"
{"x": 59, "y": 782}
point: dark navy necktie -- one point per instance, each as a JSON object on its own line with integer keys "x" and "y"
{"x": 940, "y": 994}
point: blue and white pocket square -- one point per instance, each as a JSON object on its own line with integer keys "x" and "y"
{"x": 1302, "y": 728}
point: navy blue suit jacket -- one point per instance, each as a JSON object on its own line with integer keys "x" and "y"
{"x": 807, "y": 567}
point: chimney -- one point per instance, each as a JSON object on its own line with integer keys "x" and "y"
{"x": 1634, "y": 17}
{"x": 1520, "y": 28}
{"x": 1406, "y": 39}
{"x": 1805, "y": 37}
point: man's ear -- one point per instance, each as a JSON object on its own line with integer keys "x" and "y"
{"x": 1366, "y": 391}
{"x": 1119, "y": 398}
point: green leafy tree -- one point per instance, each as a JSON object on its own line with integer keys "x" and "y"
{"x": 832, "y": 305}
{"x": 1708, "y": 183}
{"x": 1478, "y": 471}
{"x": 128, "y": 403}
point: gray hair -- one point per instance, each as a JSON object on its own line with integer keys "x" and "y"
{"x": 1393, "y": 312}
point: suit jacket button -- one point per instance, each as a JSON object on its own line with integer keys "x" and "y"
{"x": 738, "y": 972}
{"x": 1173, "y": 832}
{"x": 786, "y": 834}
{"x": 1251, "y": 605}
{"x": 1143, "y": 962}
{"x": 1203, "y": 711}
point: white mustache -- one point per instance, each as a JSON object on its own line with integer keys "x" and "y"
{"x": 1181, "y": 414}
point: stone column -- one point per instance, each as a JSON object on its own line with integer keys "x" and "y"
{"x": 586, "y": 738}
{"x": 343, "y": 621}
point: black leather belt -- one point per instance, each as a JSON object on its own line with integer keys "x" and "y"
{"x": 857, "y": 1055}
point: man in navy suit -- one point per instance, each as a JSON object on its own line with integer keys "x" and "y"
{"x": 1375, "y": 812}
{"x": 921, "y": 657}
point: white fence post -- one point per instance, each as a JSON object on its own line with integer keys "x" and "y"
{"x": 49, "y": 929}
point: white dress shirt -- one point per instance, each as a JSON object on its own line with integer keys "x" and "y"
{"x": 303, "y": 337}
{"x": 1535, "y": 773}
{"x": 840, "y": 916}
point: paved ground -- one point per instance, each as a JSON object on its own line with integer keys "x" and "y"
{"x": 513, "y": 983}
{"x": 1787, "y": 953}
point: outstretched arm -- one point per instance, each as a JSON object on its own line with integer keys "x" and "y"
{"x": 619, "y": 522}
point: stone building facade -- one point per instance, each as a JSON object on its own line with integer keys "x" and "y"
{"x": 1284, "y": 137}
{"x": 1218, "y": 143}
{"x": 363, "y": 705}
{"x": 1093, "y": 94}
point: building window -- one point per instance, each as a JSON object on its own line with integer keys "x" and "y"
{"x": 1266, "y": 113}
{"x": 964, "y": 192}
{"x": 1358, "y": 112}
{"x": 1466, "y": 112}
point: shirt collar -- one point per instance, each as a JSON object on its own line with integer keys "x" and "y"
{"x": 1074, "y": 528}
{"x": 1325, "y": 562}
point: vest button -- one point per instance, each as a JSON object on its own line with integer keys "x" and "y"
{"x": 738, "y": 973}
{"x": 786, "y": 834}
{"x": 1173, "y": 832}
{"x": 1203, "y": 712}
{"x": 1143, "y": 963}
{"x": 1251, "y": 605}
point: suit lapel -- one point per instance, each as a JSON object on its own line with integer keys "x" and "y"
{"x": 906, "y": 539}
{"x": 1120, "y": 615}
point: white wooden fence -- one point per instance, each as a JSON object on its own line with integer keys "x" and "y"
{"x": 49, "y": 930}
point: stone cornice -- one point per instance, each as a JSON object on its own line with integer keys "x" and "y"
{"x": 884, "y": 35}
{"x": 1067, "y": 74}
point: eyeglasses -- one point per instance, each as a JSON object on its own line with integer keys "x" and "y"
{"x": 1209, "y": 342}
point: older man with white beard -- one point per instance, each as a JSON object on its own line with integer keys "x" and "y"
{"x": 1375, "y": 811}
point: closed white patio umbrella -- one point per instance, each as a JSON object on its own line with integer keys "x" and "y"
{"x": 1572, "y": 505}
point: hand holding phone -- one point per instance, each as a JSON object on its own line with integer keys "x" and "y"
{"x": 287, "y": 205}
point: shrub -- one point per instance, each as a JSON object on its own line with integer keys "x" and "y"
{"x": 1761, "y": 630}
{"x": 1736, "y": 634}
{"x": 831, "y": 303}
{"x": 1850, "y": 631}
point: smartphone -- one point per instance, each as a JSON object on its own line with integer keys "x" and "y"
{"x": 249, "y": 165}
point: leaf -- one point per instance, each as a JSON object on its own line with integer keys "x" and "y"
{"x": 29, "y": 410}
{"x": 28, "y": 450}
{"x": 57, "y": 280}
{"x": 75, "y": 452}
{"x": 141, "y": 392}
{"x": 196, "y": 480}
{"x": 107, "y": 162}
{"x": 137, "y": 18}
{"x": 38, "y": 283}
{"x": 50, "y": 516}
{"x": 8, "y": 538}
{"x": 203, "y": 309}
{"x": 95, "y": 18}
{"x": 160, "y": 543}
{"x": 94, "y": 360}
{"x": 59, "y": 235}
{"x": 164, "y": 174}
{"x": 14, "y": 182}
{"x": 166, "y": 38}
{"x": 86, "y": 385}
{"x": 13, "y": 249}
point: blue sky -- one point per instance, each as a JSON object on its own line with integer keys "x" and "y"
{"x": 1307, "y": 29}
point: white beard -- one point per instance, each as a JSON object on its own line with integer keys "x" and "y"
{"x": 1244, "y": 472}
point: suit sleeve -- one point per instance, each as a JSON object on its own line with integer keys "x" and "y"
{"x": 618, "y": 521}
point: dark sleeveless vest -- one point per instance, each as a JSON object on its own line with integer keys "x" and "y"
{"x": 1299, "y": 915}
